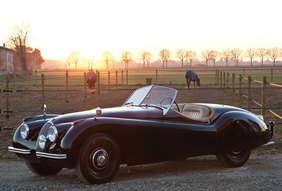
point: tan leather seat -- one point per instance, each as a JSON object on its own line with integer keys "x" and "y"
{"x": 195, "y": 112}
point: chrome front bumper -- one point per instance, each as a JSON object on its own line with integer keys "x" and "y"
{"x": 38, "y": 154}
{"x": 51, "y": 155}
{"x": 20, "y": 151}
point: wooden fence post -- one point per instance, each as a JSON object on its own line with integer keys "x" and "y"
{"x": 43, "y": 92}
{"x": 99, "y": 82}
{"x": 271, "y": 75}
{"x": 14, "y": 80}
{"x": 220, "y": 79}
{"x": 35, "y": 77}
{"x": 227, "y": 80}
{"x": 85, "y": 84}
{"x": 127, "y": 77}
{"x": 215, "y": 77}
{"x": 122, "y": 77}
{"x": 109, "y": 78}
{"x": 240, "y": 90}
{"x": 263, "y": 97}
{"x": 249, "y": 92}
{"x": 67, "y": 86}
{"x": 116, "y": 78}
{"x": 156, "y": 76}
{"x": 224, "y": 75}
{"x": 233, "y": 86}
{"x": 7, "y": 98}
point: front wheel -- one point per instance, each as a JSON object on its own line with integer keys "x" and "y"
{"x": 99, "y": 159}
{"x": 234, "y": 158}
{"x": 43, "y": 169}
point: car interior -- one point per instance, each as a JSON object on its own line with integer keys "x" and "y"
{"x": 195, "y": 112}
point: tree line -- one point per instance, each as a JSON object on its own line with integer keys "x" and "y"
{"x": 189, "y": 56}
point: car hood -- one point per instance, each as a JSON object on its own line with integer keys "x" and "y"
{"x": 119, "y": 112}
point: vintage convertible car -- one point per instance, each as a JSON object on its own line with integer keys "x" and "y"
{"x": 149, "y": 127}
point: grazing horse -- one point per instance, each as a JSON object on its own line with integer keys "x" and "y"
{"x": 191, "y": 75}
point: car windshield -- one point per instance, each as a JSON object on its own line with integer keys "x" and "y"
{"x": 156, "y": 96}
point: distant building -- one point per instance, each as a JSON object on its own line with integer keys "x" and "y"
{"x": 7, "y": 59}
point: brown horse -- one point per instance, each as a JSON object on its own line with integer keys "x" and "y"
{"x": 191, "y": 75}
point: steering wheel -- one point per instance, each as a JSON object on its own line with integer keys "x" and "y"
{"x": 164, "y": 98}
{"x": 177, "y": 106}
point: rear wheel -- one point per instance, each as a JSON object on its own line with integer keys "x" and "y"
{"x": 234, "y": 158}
{"x": 43, "y": 169}
{"x": 99, "y": 159}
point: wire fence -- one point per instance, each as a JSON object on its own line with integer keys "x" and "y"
{"x": 66, "y": 83}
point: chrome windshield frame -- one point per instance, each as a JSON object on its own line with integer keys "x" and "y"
{"x": 125, "y": 103}
{"x": 165, "y": 110}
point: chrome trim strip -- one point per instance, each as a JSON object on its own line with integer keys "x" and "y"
{"x": 51, "y": 155}
{"x": 268, "y": 143}
{"x": 18, "y": 150}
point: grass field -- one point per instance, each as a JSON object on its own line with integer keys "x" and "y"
{"x": 57, "y": 79}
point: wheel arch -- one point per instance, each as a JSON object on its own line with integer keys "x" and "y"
{"x": 78, "y": 134}
{"x": 240, "y": 129}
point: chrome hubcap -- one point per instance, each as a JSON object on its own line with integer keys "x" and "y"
{"x": 236, "y": 152}
{"x": 100, "y": 159}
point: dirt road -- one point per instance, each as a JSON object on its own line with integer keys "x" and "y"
{"x": 201, "y": 173}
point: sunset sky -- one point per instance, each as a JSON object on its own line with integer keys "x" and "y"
{"x": 91, "y": 27}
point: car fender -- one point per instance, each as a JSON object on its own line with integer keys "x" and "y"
{"x": 241, "y": 129}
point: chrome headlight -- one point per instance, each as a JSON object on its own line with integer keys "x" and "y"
{"x": 24, "y": 130}
{"x": 52, "y": 133}
{"x": 42, "y": 141}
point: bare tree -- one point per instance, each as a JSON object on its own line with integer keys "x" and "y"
{"x": 226, "y": 55}
{"x": 273, "y": 53}
{"x": 251, "y": 54}
{"x": 261, "y": 53}
{"x": 74, "y": 58}
{"x": 126, "y": 57}
{"x": 190, "y": 56}
{"x": 206, "y": 56}
{"x": 107, "y": 57}
{"x": 213, "y": 55}
{"x": 236, "y": 53}
{"x": 181, "y": 55}
{"x": 19, "y": 42}
{"x": 149, "y": 58}
{"x": 164, "y": 56}
{"x": 146, "y": 58}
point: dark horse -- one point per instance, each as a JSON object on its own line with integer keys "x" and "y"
{"x": 191, "y": 75}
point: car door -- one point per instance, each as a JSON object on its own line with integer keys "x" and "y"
{"x": 180, "y": 137}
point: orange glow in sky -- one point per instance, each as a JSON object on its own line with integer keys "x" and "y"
{"x": 91, "y": 27}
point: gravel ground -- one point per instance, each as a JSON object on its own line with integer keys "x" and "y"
{"x": 200, "y": 173}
